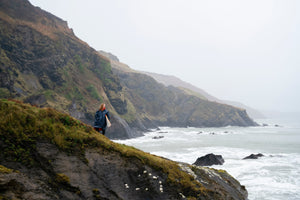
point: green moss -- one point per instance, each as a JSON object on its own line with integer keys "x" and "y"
{"x": 49, "y": 94}
{"x": 131, "y": 114}
{"x": 4, "y": 170}
{"x": 93, "y": 92}
{"x": 78, "y": 63}
{"x": 221, "y": 171}
{"x": 4, "y": 60}
{"x": 4, "y": 93}
{"x": 62, "y": 178}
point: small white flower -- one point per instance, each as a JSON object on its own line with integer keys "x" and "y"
{"x": 137, "y": 189}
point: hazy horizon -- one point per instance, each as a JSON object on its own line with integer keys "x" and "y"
{"x": 245, "y": 51}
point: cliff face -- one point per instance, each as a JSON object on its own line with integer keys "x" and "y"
{"x": 157, "y": 104}
{"x": 49, "y": 155}
{"x": 43, "y": 63}
{"x": 176, "y": 82}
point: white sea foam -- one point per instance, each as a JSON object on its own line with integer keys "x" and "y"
{"x": 274, "y": 176}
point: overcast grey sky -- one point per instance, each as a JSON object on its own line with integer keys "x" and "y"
{"x": 246, "y": 51}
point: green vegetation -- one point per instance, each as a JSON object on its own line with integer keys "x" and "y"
{"x": 54, "y": 68}
{"x": 49, "y": 94}
{"x": 4, "y": 170}
{"x": 4, "y": 93}
{"x": 22, "y": 125}
{"x": 79, "y": 64}
{"x": 93, "y": 92}
{"x": 58, "y": 66}
{"x": 62, "y": 178}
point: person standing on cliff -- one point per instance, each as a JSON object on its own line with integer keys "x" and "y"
{"x": 102, "y": 118}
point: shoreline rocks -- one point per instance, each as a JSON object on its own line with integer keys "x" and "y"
{"x": 253, "y": 156}
{"x": 158, "y": 137}
{"x": 209, "y": 160}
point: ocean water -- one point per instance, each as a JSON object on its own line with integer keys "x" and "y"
{"x": 275, "y": 176}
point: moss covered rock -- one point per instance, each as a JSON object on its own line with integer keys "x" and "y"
{"x": 51, "y": 155}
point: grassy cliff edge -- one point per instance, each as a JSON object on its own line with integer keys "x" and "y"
{"x": 64, "y": 158}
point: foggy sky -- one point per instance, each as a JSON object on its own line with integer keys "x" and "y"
{"x": 246, "y": 51}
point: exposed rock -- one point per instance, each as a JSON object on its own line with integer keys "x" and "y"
{"x": 158, "y": 137}
{"x": 209, "y": 159}
{"x": 77, "y": 163}
{"x": 109, "y": 55}
{"x": 209, "y": 176}
{"x": 36, "y": 100}
{"x": 110, "y": 176}
{"x": 254, "y": 156}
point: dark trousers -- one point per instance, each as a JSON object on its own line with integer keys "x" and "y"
{"x": 100, "y": 130}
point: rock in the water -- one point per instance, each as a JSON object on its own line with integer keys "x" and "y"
{"x": 209, "y": 159}
{"x": 158, "y": 137}
{"x": 254, "y": 156}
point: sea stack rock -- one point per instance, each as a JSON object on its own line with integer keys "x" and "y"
{"x": 253, "y": 156}
{"x": 209, "y": 159}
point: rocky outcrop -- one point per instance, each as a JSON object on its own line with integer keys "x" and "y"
{"x": 223, "y": 180}
{"x": 253, "y": 156}
{"x": 158, "y": 137}
{"x": 50, "y": 155}
{"x": 107, "y": 175}
{"x": 209, "y": 159}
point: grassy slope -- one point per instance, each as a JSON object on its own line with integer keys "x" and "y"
{"x": 42, "y": 61}
{"x": 22, "y": 125}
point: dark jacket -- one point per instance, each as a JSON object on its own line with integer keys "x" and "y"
{"x": 100, "y": 120}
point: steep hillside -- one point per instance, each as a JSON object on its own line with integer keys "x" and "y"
{"x": 176, "y": 82}
{"x": 49, "y": 155}
{"x": 157, "y": 104}
{"x": 44, "y": 63}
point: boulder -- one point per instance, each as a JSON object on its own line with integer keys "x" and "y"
{"x": 209, "y": 159}
{"x": 253, "y": 156}
{"x": 158, "y": 137}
